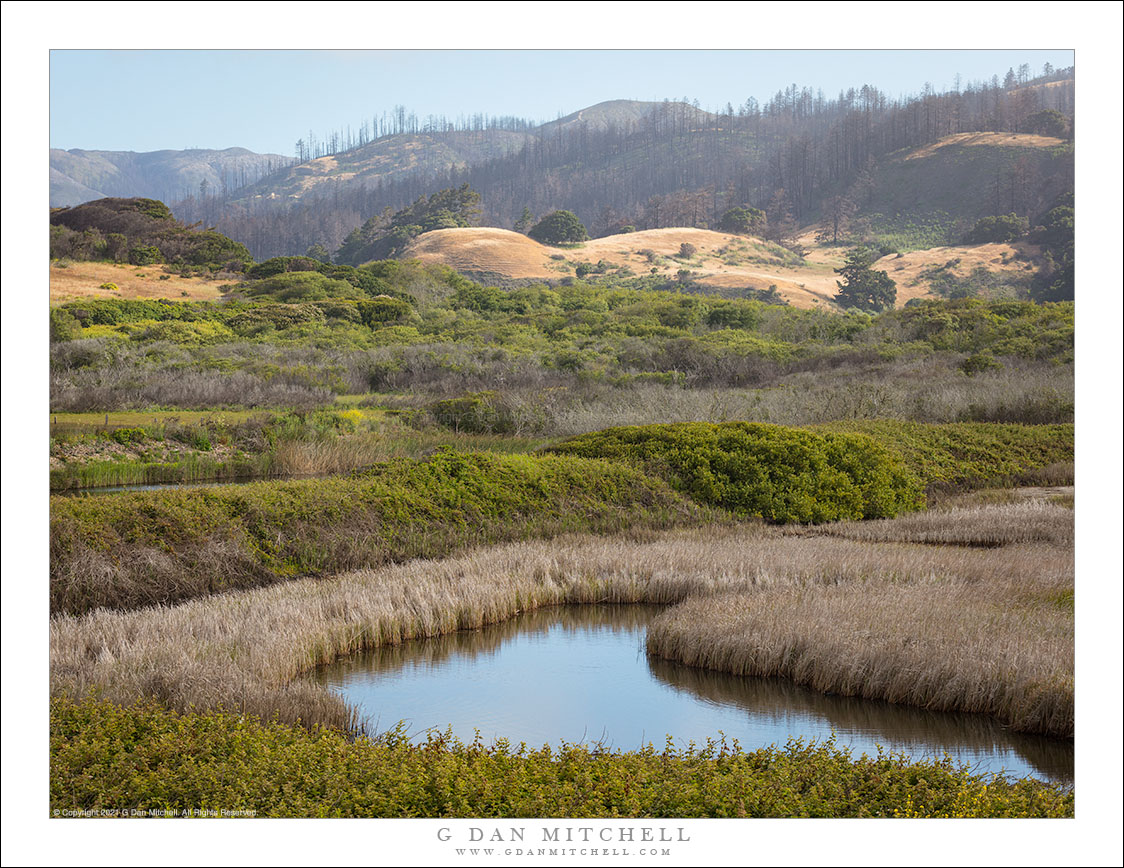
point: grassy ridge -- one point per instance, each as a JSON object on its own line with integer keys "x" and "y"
{"x": 138, "y": 548}
{"x": 145, "y": 757}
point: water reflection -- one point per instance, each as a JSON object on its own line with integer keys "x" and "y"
{"x": 904, "y": 728}
{"x": 580, "y": 674}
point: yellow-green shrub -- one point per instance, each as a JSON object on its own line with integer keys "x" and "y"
{"x": 780, "y": 474}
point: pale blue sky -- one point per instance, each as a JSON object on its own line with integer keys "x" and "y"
{"x": 266, "y": 100}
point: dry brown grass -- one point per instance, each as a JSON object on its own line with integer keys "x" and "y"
{"x": 515, "y": 256}
{"x": 995, "y": 140}
{"x": 906, "y": 270}
{"x": 485, "y": 249}
{"x": 80, "y": 280}
{"x": 499, "y": 251}
{"x": 1001, "y": 647}
{"x": 991, "y": 620}
{"x": 338, "y": 455}
{"x": 1033, "y": 520}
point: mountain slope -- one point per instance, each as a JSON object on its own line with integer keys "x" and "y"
{"x": 660, "y": 164}
{"x": 387, "y": 159}
{"x": 933, "y": 194}
{"x": 622, "y": 112}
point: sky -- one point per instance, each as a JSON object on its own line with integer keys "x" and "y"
{"x": 265, "y": 100}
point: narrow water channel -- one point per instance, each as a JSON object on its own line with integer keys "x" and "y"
{"x": 580, "y": 674}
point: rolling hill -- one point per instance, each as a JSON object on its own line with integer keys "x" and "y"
{"x": 726, "y": 264}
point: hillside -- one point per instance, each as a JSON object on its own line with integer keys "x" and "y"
{"x": 623, "y": 112}
{"x": 395, "y": 158}
{"x": 728, "y": 264}
{"x": 914, "y": 172}
{"x": 78, "y": 176}
{"x": 141, "y": 232}
{"x": 73, "y": 281}
{"x": 931, "y": 195}
{"x": 387, "y": 159}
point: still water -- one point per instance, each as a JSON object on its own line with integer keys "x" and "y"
{"x": 580, "y": 674}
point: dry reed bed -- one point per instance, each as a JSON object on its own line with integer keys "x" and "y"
{"x": 244, "y": 650}
{"x": 988, "y": 525}
{"x": 945, "y": 646}
{"x": 338, "y": 455}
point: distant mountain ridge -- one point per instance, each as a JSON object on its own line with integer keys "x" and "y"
{"x": 79, "y": 175}
{"x": 393, "y": 158}
{"x": 237, "y": 174}
{"x": 804, "y": 159}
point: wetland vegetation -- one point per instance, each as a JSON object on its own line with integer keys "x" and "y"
{"x": 793, "y": 486}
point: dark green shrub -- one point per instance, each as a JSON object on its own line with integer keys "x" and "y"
{"x": 282, "y": 264}
{"x": 263, "y": 317}
{"x": 779, "y": 474}
{"x": 145, "y": 254}
{"x": 301, "y": 286}
{"x": 734, "y": 315}
{"x": 255, "y": 534}
{"x": 559, "y": 227}
{"x": 742, "y": 221}
{"x": 967, "y": 455}
{"x": 1006, "y": 227}
{"x": 381, "y": 310}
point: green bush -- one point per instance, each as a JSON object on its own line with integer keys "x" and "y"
{"x": 559, "y": 227}
{"x": 381, "y": 310}
{"x": 979, "y": 362}
{"x": 64, "y": 325}
{"x": 967, "y": 454}
{"x": 776, "y": 473}
{"x": 191, "y": 333}
{"x": 128, "y": 436}
{"x": 145, "y": 254}
{"x": 301, "y": 286}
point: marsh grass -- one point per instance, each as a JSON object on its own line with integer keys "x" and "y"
{"x": 986, "y": 526}
{"x": 1001, "y": 648}
{"x": 390, "y": 440}
{"x": 956, "y": 628}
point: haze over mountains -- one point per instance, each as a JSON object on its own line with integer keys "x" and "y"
{"x": 78, "y": 176}
{"x": 861, "y": 160}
